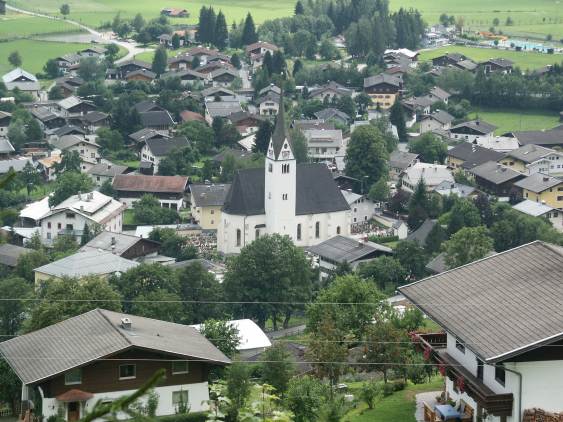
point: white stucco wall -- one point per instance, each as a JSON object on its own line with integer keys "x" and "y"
{"x": 115, "y": 224}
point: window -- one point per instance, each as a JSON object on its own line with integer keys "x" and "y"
{"x": 257, "y": 234}
{"x": 212, "y": 212}
{"x": 460, "y": 345}
{"x": 284, "y": 196}
{"x": 480, "y": 367}
{"x": 317, "y": 229}
{"x": 179, "y": 397}
{"x": 69, "y": 227}
{"x": 59, "y": 226}
{"x": 74, "y": 376}
{"x": 49, "y": 225}
{"x": 180, "y": 367}
{"x": 500, "y": 374}
{"x": 239, "y": 235}
{"x": 299, "y": 232}
{"x": 285, "y": 168}
{"x": 127, "y": 372}
{"x": 49, "y": 236}
{"x": 270, "y": 167}
{"x": 338, "y": 230}
{"x": 69, "y": 215}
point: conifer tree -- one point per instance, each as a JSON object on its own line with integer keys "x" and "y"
{"x": 249, "y": 34}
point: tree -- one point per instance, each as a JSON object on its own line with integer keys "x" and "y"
{"x": 64, "y": 245}
{"x": 199, "y": 133}
{"x": 397, "y": 118}
{"x": 249, "y": 34}
{"x": 15, "y": 59}
{"x": 159, "y": 304}
{"x": 369, "y": 392}
{"x": 299, "y": 9}
{"x": 222, "y": 334}
{"x": 412, "y": 258}
{"x": 418, "y": 206}
{"x": 386, "y": 272}
{"x": 175, "y": 41}
{"x": 299, "y": 146}
{"x": 13, "y": 312}
{"x": 430, "y": 148}
{"x": 138, "y": 22}
{"x": 51, "y": 69}
{"x": 483, "y": 204}
{"x": 270, "y": 269}
{"x": 464, "y": 213}
{"x": 110, "y": 139}
{"x": 297, "y": 66}
{"x": 277, "y": 369}
{"x": 467, "y": 245}
{"x": 173, "y": 245}
{"x": 10, "y": 386}
{"x": 237, "y": 380}
{"x": 65, "y": 9}
{"x": 60, "y": 299}
{"x": 435, "y": 239}
{"x": 70, "y": 162}
{"x": 496, "y": 22}
{"x": 263, "y": 136}
{"x": 235, "y": 61}
{"x": 328, "y": 50}
{"x": 366, "y": 156}
{"x": 384, "y": 346}
{"x": 305, "y": 397}
{"x": 29, "y": 177}
{"x": 27, "y": 262}
{"x": 67, "y": 184}
{"x": 379, "y": 191}
{"x": 91, "y": 69}
{"x": 221, "y": 32}
{"x": 278, "y": 63}
{"x": 148, "y": 211}
{"x": 56, "y": 93}
{"x": 107, "y": 189}
{"x": 159, "y": 61}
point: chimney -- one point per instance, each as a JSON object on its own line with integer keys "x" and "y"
{"x": 79, "y": 196}
{"x": 477, "y": 122}
{"x": 546, "y": 179}
{"x": 126, "y": 323}
{"x": 82, "y": 208}
{"x": 113, "y": 240}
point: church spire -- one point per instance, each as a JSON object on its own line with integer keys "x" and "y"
{"x": 279, "y": 136}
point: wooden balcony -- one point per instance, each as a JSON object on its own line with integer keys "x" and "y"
{"x": 494, "y": 404}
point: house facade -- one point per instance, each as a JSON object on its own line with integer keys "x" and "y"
{"x": 383, "y": 89}
{"x": 169, "y": 190}
{"x": 206, "y": 203}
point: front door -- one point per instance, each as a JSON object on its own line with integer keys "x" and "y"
{"x": 73, "y": 411}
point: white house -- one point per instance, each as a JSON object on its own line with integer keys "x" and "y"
{"x": 104, "y": 355}
{"x": 432, "y": 174}
{"x": 24, "y": 81}
{"x": 85, "y": 146}
{"x": 74, "y": 213}
{"x": 538, "y": 209}
{"x": 502, "y": 331}
{"x": 362, "y": 209}
{"x": 325, "y": 145}
{"x": 473, "y": 131}
{"x": 269, "y": 104}
{"x": 301, "y": 201}
{"x": 157, "y": 149}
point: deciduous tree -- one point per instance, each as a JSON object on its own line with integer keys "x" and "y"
{"x": 467, "y": 245}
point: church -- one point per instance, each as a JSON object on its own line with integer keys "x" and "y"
{"x": 301, "y": 201}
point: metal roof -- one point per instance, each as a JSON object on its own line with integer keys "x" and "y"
{"x": 150, "y": 184}
{"x": 500, "y": 306}
{"x": 539, "y": 182}
{"x": 116, "y": 243}
{"x": 161, "y": 147}
{"x": 530, "y": 153}
{"x": 344, "y": 249}
{"x": 495, "y": 173}
{"x": 93, "y": 335}
{"x": 532, "y": 208}
{"x": 205, "y": 195}
{"x": 9, "y": 254}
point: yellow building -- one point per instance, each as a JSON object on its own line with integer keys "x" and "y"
{"x": 530, "y": 159}
{"x": 542, "y": 188}
{"x": 206, "y": 203}
{"x": 383, "y": 89}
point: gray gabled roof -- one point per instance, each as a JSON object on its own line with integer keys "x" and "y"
{"x": 161, "y": 147}
{"x": 106, "y": 169}
{"x": 382, "y": 78}
{"x": 495, "y": 173}
{"x": 330, "y": 113}
{"x": 473, "y": 155}
{"x": 540, "y": 137}
{"x": 479, "y": 126}
{"x": 538, "y": 182}
{"x": 205, "y": 195}
{"x": 441, "y": 116}
{"x": 401, "y": 159}
{"x": 93, "y": 335}
{"x": 116, "y": 243}
{"x": 500, "y": 306}
{"x": 9, "y": 254}
{"x": 317, "y": 193}
{"x": 530, "y": 153}
{"x": 156, "y": 118}
{"x": 344, "y": 249}
{"x": 421, "y": 234}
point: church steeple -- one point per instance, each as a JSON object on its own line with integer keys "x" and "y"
{"x": 280, "y": 140}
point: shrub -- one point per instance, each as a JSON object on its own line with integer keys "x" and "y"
{"x": 182, "y": 417}
{"x": 388, "y": 389}
{"x": 383, "y": 239}
{"x": 369, "y": 393}
{"x": 399, "y": 385}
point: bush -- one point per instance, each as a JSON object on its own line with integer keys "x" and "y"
{"x": 189, "y": 417}
{"x": 369, "y": 393}
{"x": 388, "y": 389}
{"x": 383, "y": 239}
{"x": 398, "y": 385}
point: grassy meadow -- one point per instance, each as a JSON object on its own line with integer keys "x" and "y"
{"x": 509, "y": 120}
{"x": 524, "y": 60}
{"x": 19, "y": 25}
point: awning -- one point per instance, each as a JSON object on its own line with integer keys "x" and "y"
{"x": 74, "y": 395}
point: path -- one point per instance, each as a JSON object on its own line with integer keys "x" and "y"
{"x": 132, "y": 49}
{"x": 286, "y": 332}
{"x": 428, "y": 398}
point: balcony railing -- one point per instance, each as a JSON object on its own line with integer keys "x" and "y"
{"x": 494, "y": 404}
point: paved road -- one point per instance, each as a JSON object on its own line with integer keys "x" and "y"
{"x": 103, "y": 38}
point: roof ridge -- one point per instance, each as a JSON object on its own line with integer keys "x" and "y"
{"x": 114, "y": 328}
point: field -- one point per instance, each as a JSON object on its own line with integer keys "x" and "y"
{"x": 533, "y": 19}
{"x": 16, "y": 25}
{"x": 509, "y": 120}
{"x": 524, "y": 60}
{"x": 34, "y": 53}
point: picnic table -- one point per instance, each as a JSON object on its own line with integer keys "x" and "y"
{"x": 447, "y": 412}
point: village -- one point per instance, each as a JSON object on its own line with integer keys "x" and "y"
{"x": 239, "y": 217}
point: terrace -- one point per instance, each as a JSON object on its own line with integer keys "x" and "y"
{"x": 434, "y": 347}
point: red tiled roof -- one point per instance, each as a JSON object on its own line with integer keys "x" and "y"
{"x": 189, "y": 116}
{"x": 154, "y": 184}
{"x": 74, "y": 395}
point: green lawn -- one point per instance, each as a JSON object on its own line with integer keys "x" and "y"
{"x": 20, "y": 25}
{"x": 509, "y": 120}
{"x": 128, "y": 217}
{"x": 524, "y": 60}
{"x": 400, "y": 406}
{"x": 35, "y": 53}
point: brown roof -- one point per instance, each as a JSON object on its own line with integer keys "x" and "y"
{"x": 190, "y": 116}
{"x": 150, "y": 184}
{"x": 74, "y": 395}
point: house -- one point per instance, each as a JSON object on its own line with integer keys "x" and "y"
{"x": 5, "y": 119}
{"x": 6, "y": 148}
{"x": 84, "y": 263}
{"x": 75, "y": 106}
{"x": 2, "y": 7}
{"x": 399, "y": 161}
{"x": 94, "y": 120}
{"x": 9, "y": 254}
{"x": 175, "y": 13}
{"x": 298, "y": 200}
{"x": 420, "y": 235}
{"x": 438, "y": 120}
{"x": 311, "y": 124}
{"x": 72, "y": 215}
{"x": 206, "y": 203}
{"x": 340, "y": 250}
{"x": 191, "y": 116}
{"x": 269, "y": 104}
{"x": 69, "y": 84}
{"x": 105, "y": 171}
{"x": 550, "y": 138}
{"x": 498, "y": 65}
{"x": 439, "y": 94}
{"x": 270, "y": 89}
{"x": 169, "y": 190}
{"x": 180, "y": 62}
{"x": 499, "y": 363}
{"x": 24, "y": 81}
{"x": 437, "y": 265}
{"x": 400, "y": 229}
{"x": 472, "y": 131}
{"x": 123, "y": 245}
{"x": 260, "y": 47}
{"x": 214, "y": 92}
{"x": 530, "y": 159}
{"x": 165, "y": 40}
{"x": 496, "y": 179}
{"x": 119, "y": 354}
{"x": 498, "y": 143}
{"x": 123, "y": 68}
{"x": 157, "y": 120}
{"x": 362, "y": 209}
{"x": 93, "y": 51}
{"x": 431, "y": 174}
{"x": 383, "y": 89}
{"x": 142, "y": 75}
{"x": 157, "y": 149}
{"x": 141, "y": 136}
{"x": 223, "y": 76}
{"x": 418, "y": 106}
{"x": 465, "y": 156}
{"x": 467, "y": 65}
{"x": 147, "y": 106}
{"x": 448, "y": 59}
{"x": 245, "y": 122}
{"x": 68, "y": 61}
{"x": 16, "y": 164}
{"x": 333, "y": 114}
{"x": 329, "y": 91}
{"x": 187, "y": 76}
{"x": 87, "y": 149}
{"x": 542, "y": 188}
{"x": 48, "y": 166}
{"x": 214, "y": 109}
{"x": 48, "y": 119}
{"x": 326, "y": 146}
{"x": 446, "y": 189}
{"x": 539, "y": 209}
